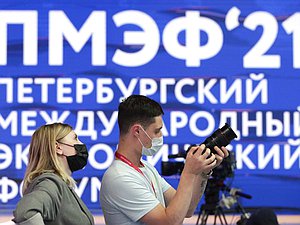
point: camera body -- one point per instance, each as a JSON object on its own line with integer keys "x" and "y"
{"x": 220, "y": 137}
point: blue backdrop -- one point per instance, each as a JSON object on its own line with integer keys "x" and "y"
{"x": 206, "y": 62}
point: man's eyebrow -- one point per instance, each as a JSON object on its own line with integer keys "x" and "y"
{"x": 158, "y": 129}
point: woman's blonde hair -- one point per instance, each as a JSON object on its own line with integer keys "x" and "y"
{"x": 42, "y": 153}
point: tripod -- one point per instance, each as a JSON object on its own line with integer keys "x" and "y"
{"x": 218, "y": 212}
{"x": 211, "y": 209}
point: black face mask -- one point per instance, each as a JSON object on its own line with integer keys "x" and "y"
{"x": 78, "y": 161}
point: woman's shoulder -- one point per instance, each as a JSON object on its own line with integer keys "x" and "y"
{"x": 50, "y": 176}
{"x": 43, "y": 195}
{"x": 48, "y": 181}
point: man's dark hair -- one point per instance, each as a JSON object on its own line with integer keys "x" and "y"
{"x": 137, "y": 109}
{"x": 263, "y": 216}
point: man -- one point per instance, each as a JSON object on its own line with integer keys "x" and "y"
{"x": 132, "y": 191}
{"x": 263, "y": 216}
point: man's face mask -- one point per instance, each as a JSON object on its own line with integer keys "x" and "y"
{"x": 78, "y": 161}
{"x": 156, "y": 145}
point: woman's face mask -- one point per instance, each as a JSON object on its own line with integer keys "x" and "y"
{"x": 79, "y": 160}
{"x": 156, "y": 145}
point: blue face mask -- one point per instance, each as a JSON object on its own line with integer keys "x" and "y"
{"x": 156, "y": 145}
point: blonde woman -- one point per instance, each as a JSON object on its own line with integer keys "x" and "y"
{"x": 48, "y": 191}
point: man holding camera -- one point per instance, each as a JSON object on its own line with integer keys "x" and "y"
{"x": 132, "y": 191}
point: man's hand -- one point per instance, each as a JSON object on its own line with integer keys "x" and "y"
{"x": 221, "y": 154}
{"x": 198, "y": 160}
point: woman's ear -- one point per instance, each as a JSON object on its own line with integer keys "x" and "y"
{"x": 58, "y": 148}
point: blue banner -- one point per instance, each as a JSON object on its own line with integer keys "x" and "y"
{"x": 206, "y": 62}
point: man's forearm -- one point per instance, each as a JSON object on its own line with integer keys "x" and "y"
{"x": 180, "y": 204}
{"x": 198, "y": 191}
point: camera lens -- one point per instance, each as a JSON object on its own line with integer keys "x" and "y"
{"x": 221, "y": 137}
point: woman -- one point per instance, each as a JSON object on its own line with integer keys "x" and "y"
{"x": 49, "y": 198}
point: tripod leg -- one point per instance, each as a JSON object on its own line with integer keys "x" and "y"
{"x": 199, "y": 215}
{"x": 215, "y": 218}
{"x": 204, "y": 219}
{"x": 203, "y": 215}
{"x": 222, "y": 216}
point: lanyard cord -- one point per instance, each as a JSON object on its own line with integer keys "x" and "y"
{"x": 128, "y": 162}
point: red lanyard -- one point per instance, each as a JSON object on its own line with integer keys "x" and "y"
{"x": 128, "y": 162}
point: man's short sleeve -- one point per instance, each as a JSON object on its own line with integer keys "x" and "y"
{"x": 129, "y": 192}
